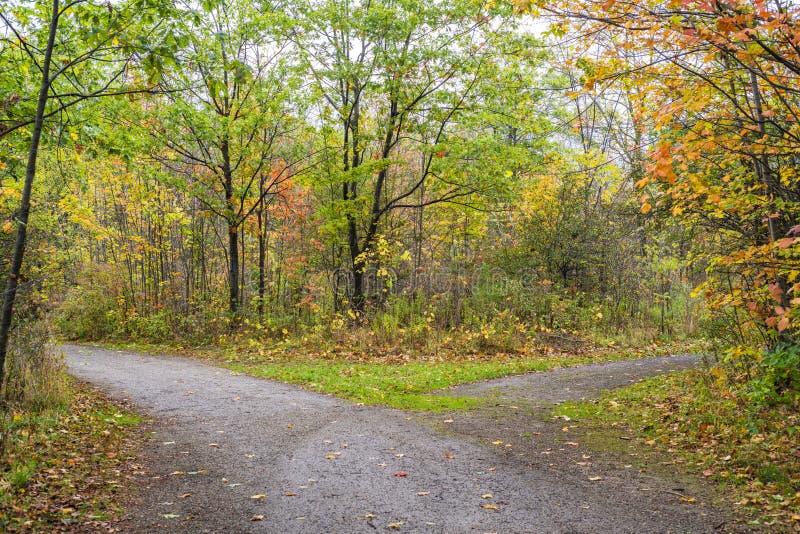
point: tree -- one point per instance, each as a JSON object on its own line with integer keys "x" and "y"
{"x": 223, "y": 118}
{"x": 719, "y": 85}
{"x": 69, "y": 53}
{"x": 393, "y": 76}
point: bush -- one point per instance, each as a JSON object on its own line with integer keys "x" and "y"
{"x": 34, "y": 371}
{"x": 778, "y": 377}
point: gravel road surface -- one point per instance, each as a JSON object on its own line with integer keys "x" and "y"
{"x": 239, "y": 454}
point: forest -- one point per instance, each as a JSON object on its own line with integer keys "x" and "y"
{"x": 433, "y": 192}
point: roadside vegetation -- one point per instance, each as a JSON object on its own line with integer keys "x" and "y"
{"x": 738, "y": 437}
{"x": 65, "y": 450}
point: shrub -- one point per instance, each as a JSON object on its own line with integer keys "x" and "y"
{"x": 34, "y": 370}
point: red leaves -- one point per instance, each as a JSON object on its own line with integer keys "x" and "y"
{"x": 401, "y": 474}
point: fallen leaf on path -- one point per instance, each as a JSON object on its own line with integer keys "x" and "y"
{"x": 170, "y": 516}
{"x": 178, "y": 473}
{"x": 184, "y": 495}
{"x": 708, "y": 473}
{"x": 594, "y": 479}
{"x": 449, "y": 455}
{"x": 423, "y": 493}
{"x": 290, "y": 494}
{"x": 489, "y": 507}
{"x": 258, "y": 517}
{"x": 395, "y": 525}
{"x": 213, "y": 444}
{"x": 688, "y": 499}
{"x": 487, "y": 496}
{"x": 401, "y": 474}
{"x": 447, "y": 421}
{"x": 497, "y": 442}
{"x": 259, "y": 496}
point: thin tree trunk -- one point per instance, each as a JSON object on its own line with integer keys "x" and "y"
{"x": 25, "y": 202}
{"x": 262, "y": 253}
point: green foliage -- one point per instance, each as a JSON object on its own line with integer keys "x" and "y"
{"x": 90, "y": 311}
{"x": 778, "y": 380}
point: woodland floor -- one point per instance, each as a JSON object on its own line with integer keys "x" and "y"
{"x": 232, "y": 453}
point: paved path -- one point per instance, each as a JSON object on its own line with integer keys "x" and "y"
{"x": 326, "y": 465}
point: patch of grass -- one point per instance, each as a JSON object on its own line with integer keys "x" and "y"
{"x": 62, "y": 468}
{"x": 399, "y": 380}
{"x": 400, "y": 385}
{"x": 752, "y": 451}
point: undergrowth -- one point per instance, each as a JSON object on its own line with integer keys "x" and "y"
{"x": 720, "y": 430}
{"x": 63, "y": 467}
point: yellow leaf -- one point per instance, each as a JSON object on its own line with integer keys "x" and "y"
{"x": 258, "y": 497}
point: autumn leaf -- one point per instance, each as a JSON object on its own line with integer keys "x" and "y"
{"x": 401, "y": 474}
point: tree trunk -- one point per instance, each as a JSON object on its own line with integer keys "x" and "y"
{"x": 262, "y": 259}
{"x": 25, "y": 202}
{"x": 233, "y": 273}
{"x": 233, "y": 230}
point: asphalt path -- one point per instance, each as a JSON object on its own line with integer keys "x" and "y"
{"x": 232, "y": 453}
